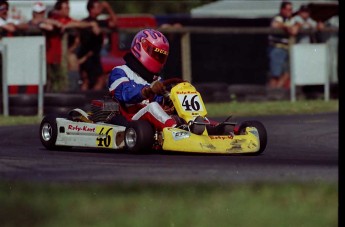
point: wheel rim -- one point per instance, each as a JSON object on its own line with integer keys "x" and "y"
{"x": 131, "y": 138}
{"x": 47, "y": 132}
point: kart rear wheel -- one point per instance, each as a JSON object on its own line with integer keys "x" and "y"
{"x": 48, "y": 132}
{"x": 139, "y": 135}
{"x": 241, "y": 129}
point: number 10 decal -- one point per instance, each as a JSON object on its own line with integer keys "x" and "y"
{"x": 190, "y": 102}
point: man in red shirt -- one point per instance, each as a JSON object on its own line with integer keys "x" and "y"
{"x": 54, "y": 49}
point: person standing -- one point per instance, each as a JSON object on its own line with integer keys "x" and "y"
{"x": 303, "y": 21}
{"x": 73, "y": 62}
{"x": 5, "y": 24}
{"x": 278, "y": 51}
{"x": 39, "y": 20}
{"x": 56, "y": 78}
{"x": 91, "y": 70}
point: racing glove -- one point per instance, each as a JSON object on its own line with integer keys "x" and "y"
{"x": 146, "y": 92}
{"x": 157, "y": 87}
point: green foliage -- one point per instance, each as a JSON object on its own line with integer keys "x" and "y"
{"x": 156, "y": 7}
{"x": 19, "y": 120}
{"x": 254, "y": 204}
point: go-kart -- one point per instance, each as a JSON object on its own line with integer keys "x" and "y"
{"x": 193, "y": 133}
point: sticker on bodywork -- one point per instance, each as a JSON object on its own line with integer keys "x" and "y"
{"x": 105, "y": 136}
{"x": 190, "y": 102}
{"x": 77, "y": 128}
{"x": 179, "y": 135}
{"x": 255, "y": 132}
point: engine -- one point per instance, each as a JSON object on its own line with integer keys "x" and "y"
{"x": 103, "y": 110}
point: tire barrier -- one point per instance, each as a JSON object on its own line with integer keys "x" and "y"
{"x": 22, "y": 104}
{"x": 213, "y": 92}
{"x": 248, "y": 92}
{"x": 60, "y": 104}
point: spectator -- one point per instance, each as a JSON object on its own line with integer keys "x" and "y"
{"x": 91, "y": 71}
{"x": 278, "y": 51}
{"x": 56, "y": 80}
{"x": 5, "y": 24}
{"x": 302, "y": 21}
{"x": 332, "y": 41}
{"x": 39, "y": 20}
{"x": 74, "y": 62}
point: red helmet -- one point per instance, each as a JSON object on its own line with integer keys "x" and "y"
{"x": 151, "y": 48}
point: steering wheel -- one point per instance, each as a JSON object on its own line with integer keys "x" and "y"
{"x": 167, "y": 104}
{"x": 169, "y": 83}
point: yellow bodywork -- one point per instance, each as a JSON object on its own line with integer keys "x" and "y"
{"x": 187, "y": 101}
{"x": 189, "y": 105}
{"x": 175, "y": 139}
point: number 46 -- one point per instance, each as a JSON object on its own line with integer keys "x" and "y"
{"x": 190, "y": 103}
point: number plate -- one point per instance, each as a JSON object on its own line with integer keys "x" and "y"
{"x": 190, "y": 102}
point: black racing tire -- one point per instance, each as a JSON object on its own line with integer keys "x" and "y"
{"x": 221, "y": 129}
{"x": 261, "y": 131}
{"x": 23, "y": 100}
{"x": 196, "y": 128}
{"x": 213, "y": 92}
{"x": 54, "y": 99}
{"x": 23, "y": 111}
{"x": 139, "y": 136}
{"x": 57, "y": 110}
{"x": 48, "y": 132}
{"x": 246, "y": 89}
{"x": 228, "y": 129}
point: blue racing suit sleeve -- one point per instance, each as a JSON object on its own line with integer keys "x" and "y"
{"x": 158, "y": 98}
{"x": 129, "y": 93}
{"x": 123, "y": 89}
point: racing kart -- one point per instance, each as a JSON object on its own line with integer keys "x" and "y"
{"x": 194, "y": 132}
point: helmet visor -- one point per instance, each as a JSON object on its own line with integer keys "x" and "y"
{"x": 155, "y": 52}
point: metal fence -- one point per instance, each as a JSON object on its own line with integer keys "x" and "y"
{"x": 186, "y": 34}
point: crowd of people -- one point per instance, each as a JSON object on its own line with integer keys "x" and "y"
{"x": 278, "y": 53}
{"x": 84, "y": 42}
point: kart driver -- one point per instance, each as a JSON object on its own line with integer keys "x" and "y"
{"x": 137, "y": 85}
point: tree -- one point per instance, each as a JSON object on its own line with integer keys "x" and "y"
{"x": 157, "y": 7}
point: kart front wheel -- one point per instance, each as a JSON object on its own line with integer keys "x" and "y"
{"x": 139, "y": 135}
{"x": 262, "y": 133}
{"x": 48, "y": 132}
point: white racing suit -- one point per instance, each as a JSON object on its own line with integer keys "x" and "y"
{"x": 125, "y": 87}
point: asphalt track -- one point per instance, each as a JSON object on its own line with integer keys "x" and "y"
{"x": 300, "y": 148}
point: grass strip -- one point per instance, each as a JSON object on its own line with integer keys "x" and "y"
{"x": 253, "y": 204}
{"x": 271, "y": 108}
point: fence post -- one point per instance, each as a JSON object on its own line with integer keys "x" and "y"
{"x": 186, "y": 57}
{"x": 4, "y": 81}
{"x": 292, "y": 41}
{"x": 40, "y": 83}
